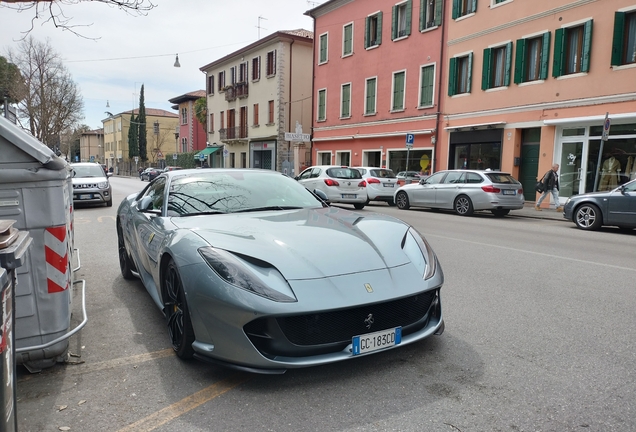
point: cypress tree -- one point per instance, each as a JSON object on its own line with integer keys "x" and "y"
{"x": 141, "y": 120}
{"x": 133, "y": 143}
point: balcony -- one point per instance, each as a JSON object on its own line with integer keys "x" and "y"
{"x": 233, "y": 133}
{"x": 237, "y": 90}
{"x": 230, "y": 93}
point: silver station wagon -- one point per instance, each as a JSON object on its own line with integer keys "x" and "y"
{"x": 464, "y": 191}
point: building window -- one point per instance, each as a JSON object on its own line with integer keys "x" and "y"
{"x": 624, "y": 43}
{"x": 322, "y": 105}
{"x": 243, "y": 72}
{"x": 322, "y": 48}
{"x": 463, "y": 7}
{"x": 232, "y": 160}
{"x": 369, "y": 97}
{"x": 345, "y": 98}
{"x": 343, "y": 158}
{"x": 184, "y": 145}
{"x": 184, "y": 115}
{"x": 427, "y": 84}
{"x": 373, "y": 30}
{"x": 271, "y": 63}
{"x": 271, "y": 113}
{"x": 430, "y": 14}
{"x": 211, "y": 84}
{"x": 399, "y": 80}
{"x": 221, "y": 80}
{"x": 531, "y": 58}
{"x": 496, "y": 67}
{"x": 572, "y": 47}
{"x": 233, "y": 75}
{"x": 255, "y": 115}
{"x": 401, "y": 25}
{"x": 256, "y": 68}
{"x": 347, "y": 40}
{"x": 222, "y": 118}
{"x": 211, "y": 123}
{"x": 460, "y": 74}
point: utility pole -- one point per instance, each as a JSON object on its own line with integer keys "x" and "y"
{"x": 259, "y": 25}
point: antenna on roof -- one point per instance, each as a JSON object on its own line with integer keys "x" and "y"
{"x": 259, "y": 25}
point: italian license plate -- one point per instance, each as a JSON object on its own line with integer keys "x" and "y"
{"x": 349, "y": 196}
{"x": 375, "y": 341}
{"x": 388, "y": 184}
{"x": 86, "y": 196}
{"x": 509, "y": 192}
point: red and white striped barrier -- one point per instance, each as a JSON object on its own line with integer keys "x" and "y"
{"x": 58, "y": 275}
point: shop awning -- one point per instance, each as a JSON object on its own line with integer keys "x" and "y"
{"x": 207, "y": 151}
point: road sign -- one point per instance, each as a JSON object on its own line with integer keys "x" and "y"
{"x": 136, "y": 159}
{"x": 159, "y": 154}
{"x": 201, "y": 157}
{"x": 410, "y": 139}
{"x": 225, "y": 152}
{"x": 174, "y": 156}
{"x": 606, "y": 127}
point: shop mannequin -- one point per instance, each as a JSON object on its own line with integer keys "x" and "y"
{"x": 610, "y": 174}
{"x": 630, "y": 168}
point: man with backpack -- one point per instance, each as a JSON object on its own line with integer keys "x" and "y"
{"x": 551, "y": 185}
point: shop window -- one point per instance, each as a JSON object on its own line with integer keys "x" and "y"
{"x": 573, "y": 132}
{"x": 343, "y": 158}
{"x": 624, "y": 42}
{"x": 496, "y": 67}
{"x": 401, "y": 24}
{"x": 464, "y": 7}
{"x": 430, "y": 14}
{"x": 460, "y": 74}
{"x": 373, "y": 30}
{"x": 572, "y": 48}
{"x": 532, "y": 58}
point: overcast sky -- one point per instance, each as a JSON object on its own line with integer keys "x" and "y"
{"x": 118, "y": 52}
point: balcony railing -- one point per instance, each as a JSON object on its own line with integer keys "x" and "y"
{"x": 230, "y": 93}
{"x": 234, "y": 133}
{"x": 237, "y": 90}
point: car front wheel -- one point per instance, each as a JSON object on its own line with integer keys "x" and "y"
{"x": 402, "y": 201}
{"x": 125, "y": 263}
{"x": 588, "y": 217}
{"x": 463, "y": 206}
{"x": 177, "y": 313}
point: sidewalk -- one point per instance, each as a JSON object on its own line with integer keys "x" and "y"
{"x": 546, "y": 213}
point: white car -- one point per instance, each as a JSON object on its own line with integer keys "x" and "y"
{"x": 341, "y": 184}
{"x": 381, "y": 184}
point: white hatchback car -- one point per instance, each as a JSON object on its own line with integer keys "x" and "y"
{"x": 341, "y": 184}
{"x": 381, "y": 184}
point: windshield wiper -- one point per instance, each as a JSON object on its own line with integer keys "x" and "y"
{"x": 211, "y": 212}
{"x": 268, "y": 208}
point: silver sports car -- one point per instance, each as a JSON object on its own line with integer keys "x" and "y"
{"x": 255, "y": 272}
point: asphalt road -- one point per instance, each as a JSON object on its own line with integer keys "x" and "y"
{"x": 540, "y": 326}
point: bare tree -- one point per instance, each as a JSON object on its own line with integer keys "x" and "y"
{"x": 161, "y": 137}
{"x": 53, "y": 10}
{"x": 53, "y": 102}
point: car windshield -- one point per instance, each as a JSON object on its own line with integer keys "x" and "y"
{"x": 501, "y": 178}
{"x": 232, "y": 191}
{"x": 344, "y": 173}
{"x": 88, "y": 171}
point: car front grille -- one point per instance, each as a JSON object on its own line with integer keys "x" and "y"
{"x": 324, "y": 332}
{"x": 85, "y": 186}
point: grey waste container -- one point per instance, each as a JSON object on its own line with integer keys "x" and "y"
{"x": 13, "y": 249}
{"x": 36, "y": 190}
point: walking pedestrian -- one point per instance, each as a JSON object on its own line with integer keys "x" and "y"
{"x": 551, "y": 186}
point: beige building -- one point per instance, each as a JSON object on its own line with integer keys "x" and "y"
{"x": 92, "y": 146}
{"x": 160, "y": 130}
{"x": 256, "y": 95}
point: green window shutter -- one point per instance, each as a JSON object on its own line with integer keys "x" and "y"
{"x": 366, "y": 32}
{"x": 323, "y": 49}
{"x": 409, "y": 16}
{"x": 438, "y": 12}
{"x": 559, "y": 53}
{"x": 520, "y": 59}
{"x": 474, "y": 9}
{"x": 619, "y": 37}
{"x": 426, "y": 92}
{"x": 545, "y": 55}
{"x": 452, "y": 77}
{"x": 347, "y": 39}
{"x": 346, "y": 97}
{"x": 321, "y": 105}
{"x": 398, "y": 91}
{"x": 394, "y": 23}
{"x": 485, "y": 70}
{"x": 470, "y": 73}
{"x": 587, "y": 46}
{"x": 422, "y": 14}
{"x": 370, "y": 107}
{"x": 379, "y": 32}
{"x": 455, "y": 9}
{"x": 508, "y": 64}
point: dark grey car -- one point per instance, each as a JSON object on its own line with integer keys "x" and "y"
{"x": 592, "y": 210}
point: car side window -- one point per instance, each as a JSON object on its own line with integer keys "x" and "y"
{"x": 435, "y": 178}
{"x": 305, "y": 174}
{"x": 473, "y": 178}
{"x": 156, "y": 192}
{"x": 630, "y": 187}
{"x": 454, "y": 177}
{"x": 315, "y": 172}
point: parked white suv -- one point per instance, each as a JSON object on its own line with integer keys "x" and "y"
{"x": 90, "y": 184}
{"x": 341, "y": 184}
{"x": 381, "y": 183}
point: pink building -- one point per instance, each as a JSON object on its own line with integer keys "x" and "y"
{"x": 191, "y": 133}
{"x": 376, "y": 73}
{"x": 528, "y": 83}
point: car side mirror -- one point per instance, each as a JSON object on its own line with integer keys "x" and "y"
{"x": 320, "y": 194}
{"x": 145, "y": 205}
{"x": 623, "y": 189}
{"x": 109, "y": 174}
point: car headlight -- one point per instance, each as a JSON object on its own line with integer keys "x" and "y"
{"x": 420, "y": 253}
{"x": 250, "y": 274}
{"x": 102, "y": 185}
